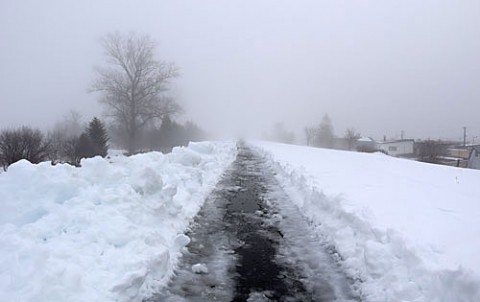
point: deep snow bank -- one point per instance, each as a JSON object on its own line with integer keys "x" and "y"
{"x": 108, "y": 231}
{"x": 407, "y": 231}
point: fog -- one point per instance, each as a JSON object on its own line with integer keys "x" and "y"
{"x": 380, "y": 66}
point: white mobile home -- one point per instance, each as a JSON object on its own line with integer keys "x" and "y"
{"x": 397, "y": 147}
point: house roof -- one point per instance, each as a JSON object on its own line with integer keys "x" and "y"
{"x": 365, "y": 139}
{"x": 396, "y": 141}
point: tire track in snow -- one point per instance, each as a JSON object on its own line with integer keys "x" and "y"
{"x": 250, "y": 244}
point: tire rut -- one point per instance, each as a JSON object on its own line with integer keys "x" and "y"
{"x": 234, "y": 250}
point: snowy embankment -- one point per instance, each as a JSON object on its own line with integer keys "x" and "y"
{"x": 406, "y": 231}
{"x": 111, "y": 230}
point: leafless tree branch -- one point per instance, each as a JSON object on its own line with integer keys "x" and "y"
{"x": 134, "y": 83}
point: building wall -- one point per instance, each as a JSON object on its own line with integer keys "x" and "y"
{"x": 365, "y": 145}
{"x": 396, "y": 148}
{"x": 460, "y": 153}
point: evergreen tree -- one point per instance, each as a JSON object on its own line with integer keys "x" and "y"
{"x": 325, "y": 137}
{"x": 172, "y": 134}
{"x": 98, "y": 137}
{"x": 84, "y": 148}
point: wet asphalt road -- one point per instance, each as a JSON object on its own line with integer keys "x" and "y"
{"x": 233, "y": 237}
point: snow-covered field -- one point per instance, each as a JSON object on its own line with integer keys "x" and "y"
{"x": 406, "y": 231}
{"x": 108, "y": 231}
{"x": 112, "y": 229}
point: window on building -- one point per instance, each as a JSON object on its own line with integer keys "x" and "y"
{"x": 392, "y": 148}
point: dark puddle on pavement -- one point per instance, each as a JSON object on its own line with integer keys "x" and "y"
{"x": 232, "y": 238}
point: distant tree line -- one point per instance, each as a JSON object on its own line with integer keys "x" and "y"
{"x": 63, "y": 144}
{"x": 159, "y": 138}
{"x": 172, "y": 134}
{"x": 323, "y": 136}
{"x": 69, "y": 141}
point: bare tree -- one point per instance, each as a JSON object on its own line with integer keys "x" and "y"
{"x": 72, "y": 124}
{"x": 70, "y": 151}
{"x": 133, "y": 85}
{"x": 22, "y": 143}
{"x": 55, "y": 141}
{"x": 62, "y": 134}
{"x": 310, "y": 134}
{"x": 351, "y": 136}
{"x": 429, "y": 151}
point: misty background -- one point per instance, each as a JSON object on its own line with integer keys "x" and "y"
{"x": 380, "y": 66}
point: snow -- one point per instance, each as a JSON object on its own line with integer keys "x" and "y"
{"x": 304, "y": 250}
{"x": 365, "y": 139}
{"x": 111, "y": 230}
{"x": 200, "y": 268}
{"x": 406, "y": 231}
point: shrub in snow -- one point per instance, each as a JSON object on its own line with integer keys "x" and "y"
{"x": 22, "y": 143}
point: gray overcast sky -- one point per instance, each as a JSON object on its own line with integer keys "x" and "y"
{"x": 380, "y": 66}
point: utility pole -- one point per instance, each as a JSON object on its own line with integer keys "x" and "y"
{"x": 464, "y": 136}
